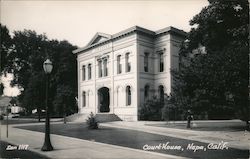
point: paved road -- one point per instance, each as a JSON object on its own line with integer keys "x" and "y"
{"x": 22, "y": 154}
{"x": 137, "y": 139}
{"x": 74, "y": 148}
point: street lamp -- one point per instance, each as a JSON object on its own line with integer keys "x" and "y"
{"x": 47, "y": 66}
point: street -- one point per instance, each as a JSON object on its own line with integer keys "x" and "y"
{"x": 138, "y": 139}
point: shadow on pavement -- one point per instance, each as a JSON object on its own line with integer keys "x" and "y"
{"x": 22, "y": 154}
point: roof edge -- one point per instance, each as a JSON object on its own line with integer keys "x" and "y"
{"x": 129, "y": 30}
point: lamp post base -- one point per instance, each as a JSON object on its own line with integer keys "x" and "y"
{"x": 47, "y": 147}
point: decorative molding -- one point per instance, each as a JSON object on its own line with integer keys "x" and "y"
{"x": 102, "y": 57}
{"x": 161, "y": 50}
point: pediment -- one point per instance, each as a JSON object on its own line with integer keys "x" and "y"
{"x": 99, "y": 37}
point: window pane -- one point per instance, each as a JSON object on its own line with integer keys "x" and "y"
{"x": 128, "y": 95}
{"x": 83, "y": 72}
{"x": 128, "y": 67}
{"x": 83, "y": 99}
{"x": 146, "y": 92}
{"x": 146, "y": 62}
{"x": 161, "y": 67}
{"x": 89, "y": 71}
{"x": 100, "y": 68}
{"x": 105, "y": 62}
{"x": 119, "y": 67}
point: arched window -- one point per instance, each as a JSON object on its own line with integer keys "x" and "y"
{"x": 128, "y": 65}
{"x": 83, "y": 72}
{"x": 161, "y": 93}
{"x": 146, "y": 62}
{"x": 119, "y": 66}
{"x": 89, "y": 71}
{"x": 83, "y": 99}
{"x": 161, "y": 62}
{"x": 146, "y": 92}
{"x": 128, "y": 95}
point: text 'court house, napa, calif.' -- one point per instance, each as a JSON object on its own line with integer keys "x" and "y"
{"x": 118, "y": 73}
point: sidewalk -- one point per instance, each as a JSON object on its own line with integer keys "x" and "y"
{"x": 237, "y": 139}
{"x": 68, "y": 147}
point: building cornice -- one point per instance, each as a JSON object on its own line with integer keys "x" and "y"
{"x": 134, "y": 29}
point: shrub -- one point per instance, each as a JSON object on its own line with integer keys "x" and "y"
{"x": 172, "y": 112}
{"x": 151, "y": 110}
{"x": 91, "y": 122}
{"x": 155, "y": 109}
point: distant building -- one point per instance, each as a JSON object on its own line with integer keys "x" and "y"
{"x": 117, "y": 73}
{"x": 6, "y": 104}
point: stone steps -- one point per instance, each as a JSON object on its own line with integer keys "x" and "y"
{"x": 107, "y": 118}
{"x": 77, "y": 117}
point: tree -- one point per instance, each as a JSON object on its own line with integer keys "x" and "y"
{"x": 25, "y": 61}
{"x": 1, "y": 88}
{"x": 26, "y": 57}
{"x": 213, "y": 75}
{"x": 6, "y": 45}
{"x": 64, "y": 80}
{"x": 34, "y": 94}
{"x": 151, "y": 109}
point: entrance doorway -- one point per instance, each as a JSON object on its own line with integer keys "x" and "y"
{"x": 103, "y": 100}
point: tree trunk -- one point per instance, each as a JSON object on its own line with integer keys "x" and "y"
{"x": 64, "y": 113}
{"x": 39, "y": 114}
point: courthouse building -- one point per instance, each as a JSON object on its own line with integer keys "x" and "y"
{"x": 118, "y": 73}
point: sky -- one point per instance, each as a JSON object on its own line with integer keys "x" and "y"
{"x": 78, "y": 21}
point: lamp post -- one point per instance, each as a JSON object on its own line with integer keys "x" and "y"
{"x": 47, "y": 66}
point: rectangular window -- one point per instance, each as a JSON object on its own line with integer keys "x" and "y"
{"x": 83, "y": 99}
{"x": 128, "y": 93}
{"x": 128, "y": 65}
{"x": 146, "y": 62}
{"x": 89, "y": 71}
{"x": 83, "y": 73}
{"x": 120, "y": 69}
{"x": 105, "y": 67}
{"x": 119, "y": 66}
{"x": 100, "y": 68}
{"x": 161, "y": 62}
{"x": 146, "y": 92}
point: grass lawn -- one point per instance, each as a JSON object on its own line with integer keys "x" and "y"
{"x": 137, "y": 139}
{"x": 18, "y": 121}
{"x": 205, "y": 126}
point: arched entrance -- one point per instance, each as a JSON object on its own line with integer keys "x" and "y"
{"x": 103, "y": 99}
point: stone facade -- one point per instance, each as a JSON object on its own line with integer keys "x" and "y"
{"x": 117, "y": 73}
